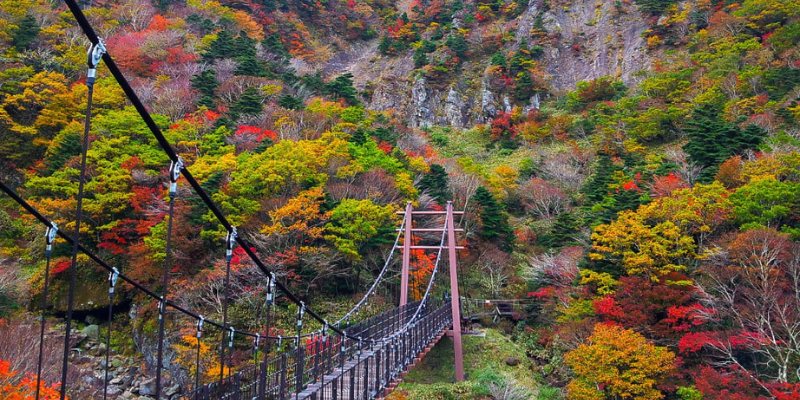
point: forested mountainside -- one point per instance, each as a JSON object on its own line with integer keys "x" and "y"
{"x": 631, "y": 168}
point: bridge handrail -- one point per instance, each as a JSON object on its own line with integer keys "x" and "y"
{"x": 279, "y": 375}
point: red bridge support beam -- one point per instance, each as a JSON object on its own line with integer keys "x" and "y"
{"x": 451, "y": 248}
{"x": 406, "y": 255}
{"x": 454, "y": 296}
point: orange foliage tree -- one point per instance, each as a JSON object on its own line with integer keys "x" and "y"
{"x": 618, "y": 363}
{"x": 14, "y": 386}
{"x": 422, "y": 265}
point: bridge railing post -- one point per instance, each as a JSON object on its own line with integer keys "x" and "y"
{"x": 283, "y": 368}
{"x": 365, "y": 386}
{"x": 262, "y": 380}
{"x": 300, "y": 368}
{"x": 352, "y": 386}
{"x": 377, "y": 357}
{"x": 387, "y": 365}
{"x": 316, "y": 350}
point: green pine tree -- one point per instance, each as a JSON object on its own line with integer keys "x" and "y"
{"x": 596, "y": 187}
{"x": 245, "y": 56}
{"x": 563, "y": 231}
{"x": 385, "y": 45}
{"x": 275, "y": 46}
{"x": 420, "y": 58}
{"x": 26, "y": 33}
{"x": 249, "y": 103}
{"x": 516, "y": 64}
{"x": 313, "y": 82}
{"x": 205, "y": 83}
{"x": 654, "y": 6}
{"x": 499, "y": 59}
{"x": 290, "y": 102}
{"x": 249, "y": 65}
{"x": 436, "y": 183}
{"x": 494, "y": 221}
{"x": 458, "y": 44}
{"x": 712, "y": 139}
{"x": 342, "y": 87}
{"x": 223, "y": 47}
{"x": 421, "y": 53}
{"x": 523, "y": 86}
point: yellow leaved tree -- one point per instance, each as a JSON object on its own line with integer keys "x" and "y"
{"x": 618, "y": 363}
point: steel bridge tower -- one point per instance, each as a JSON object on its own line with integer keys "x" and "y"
{"x": 451, "y": 247}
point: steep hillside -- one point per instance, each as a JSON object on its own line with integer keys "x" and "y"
{"x": 630, "y": 168}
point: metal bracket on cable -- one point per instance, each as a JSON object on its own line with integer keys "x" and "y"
{"x": 95, "y": 54}
{"x": 230, "y": 242}
{"x": 50, "y": 237}
{"x": 325, "y": 332}
{"x": 271, "y": 289}
{"x": 257, "y": 341}
{"x": 175, "y": 168}
{"x": 232, "y": 334}
{"x": 300, "y": 315}
{"x": 200, "y": 326}
{"x": 112, "y": 280}
{"x": 280, "y": 342}
{"x": 161, "y": 304}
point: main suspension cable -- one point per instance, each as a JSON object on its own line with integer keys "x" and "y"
{"x": 113, "y": 276}
{"x": 174, "y": 173}
{"x": 96, "y": 51}
{"x": 230, "y": 242}
{"x": 49, "y": 237}
{"x": 372, "y": 288}
{"x": 426, "y": 295}
{"x": 99, "y": 261}
{"x": 173, "y": 156}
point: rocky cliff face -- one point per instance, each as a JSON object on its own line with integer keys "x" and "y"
{"x": 594, "y": 38}
{"x": 584, "y": 39}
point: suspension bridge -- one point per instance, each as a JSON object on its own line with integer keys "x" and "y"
{"x": 344, "y": 359}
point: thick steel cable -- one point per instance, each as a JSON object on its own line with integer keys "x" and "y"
{"x": 165, "y": 145}
{"x": 49, "y": 237}
{"x": 199, "y": 334}
{"x": 256, "y": 343}
{"x": 94, "y": 257}
{"x": 174, "y": 173}
{"x": 270, "y": 298}
{"x": 35, "y": 213}
{"x": 112, "y": 282}
{"x": 377, "y": 280}
{"x": 73, "y": 269}
{"x": 424, "y": 300}
{"x": 229, "y": 241}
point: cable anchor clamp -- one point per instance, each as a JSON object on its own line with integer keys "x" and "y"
{"x": 112, "y": 279}
{"x": 230, "y": 338}
{"x": 200, "y": 326}
{"x": 175, "y": 168}
{"x": 161, "y": 305}
{"x": 230, "y": 242}
{"x": 300, "y": 315}
{"x": 94, "y": 55}
{"x": 50, "y": 236}
{"x": 271, "y": 289}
